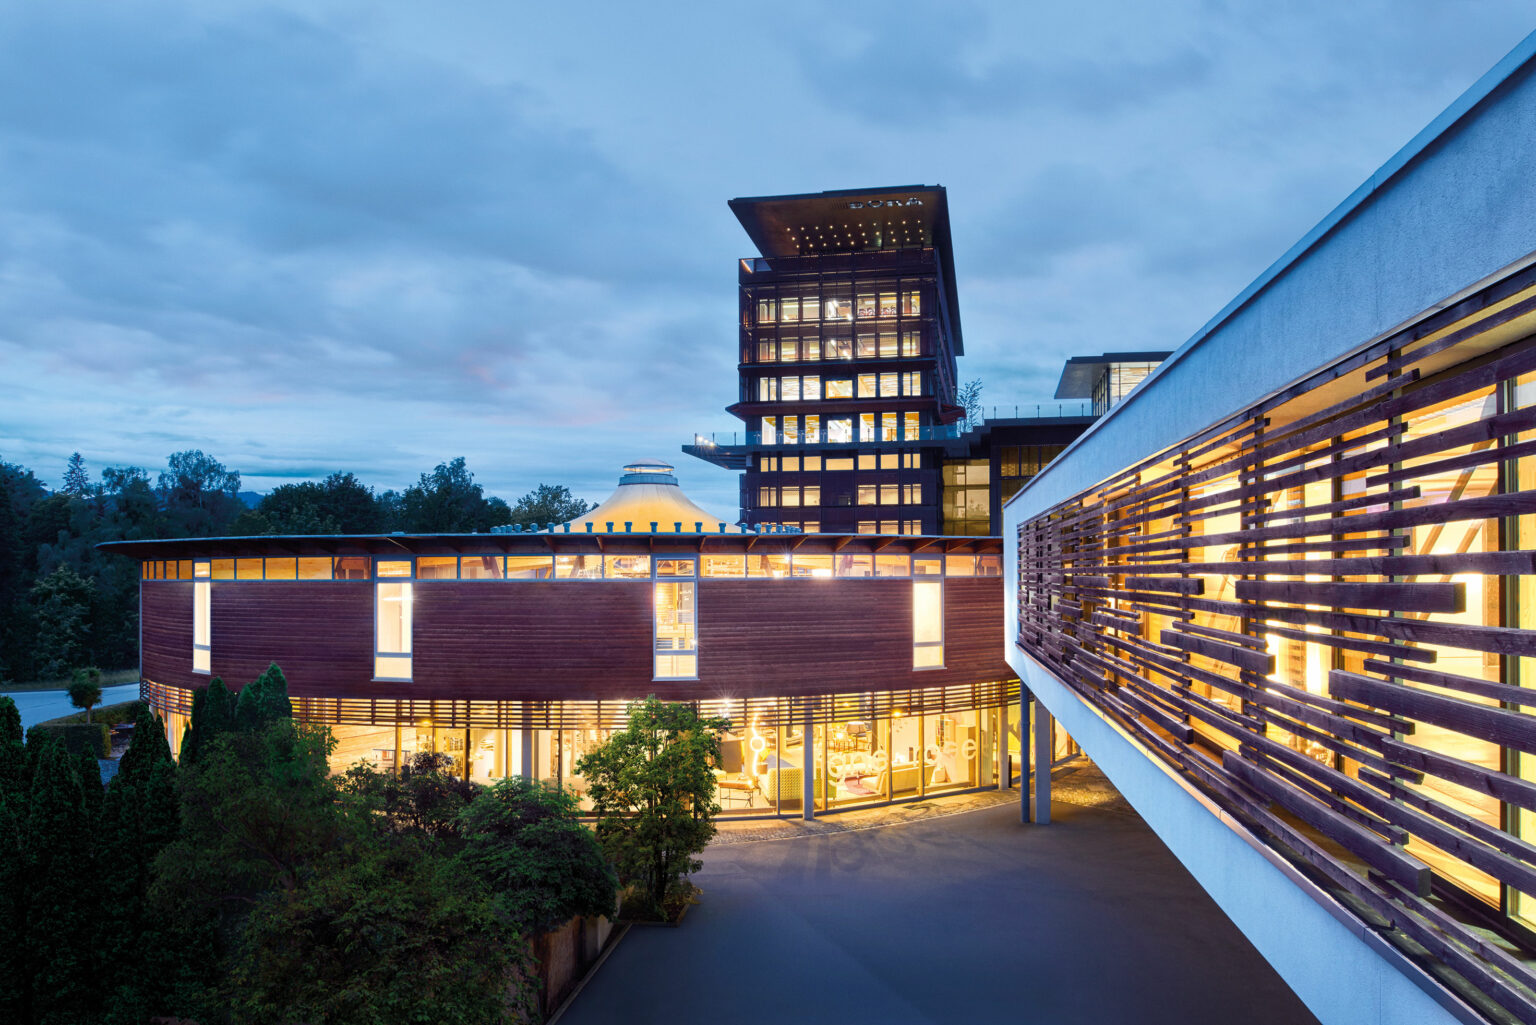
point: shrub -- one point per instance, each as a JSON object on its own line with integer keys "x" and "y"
{"x": 95, "y": 737}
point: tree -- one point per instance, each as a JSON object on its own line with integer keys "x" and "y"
{"x": 76, "y": 481}
{"x": 85, "y": 690}
{"x": 15, "y": 985}
{"x": 61, "y": 602}
{"x": 263, "y": 701}
{"x": 198, "y": 494}
{"x": 654, "y": 795}
{"x": 424, "y": 800}
{"x": 448, "y": 501}
{"x": 394, "y": 931}
{"x": 548, "y": 503}
{"x": 969, "y": 397}
{"x": 62, "y": 895}
{"x": 526, "y": 841}
{"x": 13, "y": 751}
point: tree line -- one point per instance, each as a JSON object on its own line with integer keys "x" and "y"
{"x": 64, "y": 604}
{"x": 247, "y": 884}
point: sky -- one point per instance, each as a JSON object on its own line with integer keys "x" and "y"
{"x": 334, "y": 235}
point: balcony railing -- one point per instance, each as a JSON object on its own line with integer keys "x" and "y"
{"x": 942, "y": 432}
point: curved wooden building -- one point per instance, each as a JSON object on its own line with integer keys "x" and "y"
{"x": 515, "y": 652}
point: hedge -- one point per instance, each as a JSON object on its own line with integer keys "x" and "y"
{"x": 122, "y": 712}
{"x": 95, "y": 737}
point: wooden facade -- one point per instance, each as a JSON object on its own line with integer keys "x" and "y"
{"x": 575, "y": 640}
{"x": 1319, "y": 612}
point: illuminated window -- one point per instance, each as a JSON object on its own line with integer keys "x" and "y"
{"x": 202, "y": 614}
{"x": 911, "y": 343}
{"x": 812, "y": 348}
{"x": 867, "y": 526}
{"x": 868, "y": 494}
{"x": 724, "y": 566}
{"x": 767, "y": 498}
{"x": 767, "y": 352}
{"x": 855, "y": 565}
{"x": 910, "y": 461}
{"x": 767, "y": 463}
{"x": 480, "y": 567}
{"x": 889, "y": 385}
{"x": 927, "y": 614}
{"x": 767, "y": 389}
{"x": 791, "y": 430}
{"x": 811, "y": 526}
{"x": 912, "y": 383}
{"x": 888, "y": 494}
{"x": 887, "y": 304}
{"x": 770, "y": 430}
{"x": 247, "y": 569}
{"x": 789, "y": 310}
{"x": 912, "y": 527}
{"x": 675, "y": 646}
{"x": 812, "y": 496}
{"x": 893, "y": 565}
{"x": 579, "y": 567}
{"x": 840, "y": 388}
{"x": 888, "y": 427}
{"x": 626, "y": 567}
{"x": 866, "y": 306}
{"x": 960, "y": 565}
{"x": 812, "y": 429}
{"x": 840, "y": 431}
{"x": 790, "y": 464}
{"x": 789, "y": 389}
{"x": 810, "y": 307}
{"x": 839, "y": 463}
{"x": 911, "y": 304}
{"x": 868, "y": 386}
{"x": 839, "y": 348}
{"x": 530, "y": 567}
{"x": 437, "y": 567}
{"x": 867, "y": 461}
{"x": 912, "y": 494}
{"x": 345, "y": 567}
{"x": 812, "y": 565}
{"x": 887, "y": 344}
{"x": 810, "y": 386}
{"x": 813, "y": 462}
{"x": 866, "y": 427}
{"x": 789, "y": 497}
{"x": 911, "y": 426}
{"x": 771, "y": 565}
{"x": 392, "y": 600}
{"x": 866, "y": 349}
{"x": 890, "y": 460}
{"x": 765, "y": 311}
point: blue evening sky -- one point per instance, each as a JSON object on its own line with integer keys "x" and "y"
{"x": 370, "y": 236}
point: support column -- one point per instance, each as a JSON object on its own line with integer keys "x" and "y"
{"x": 528, "y": 748}
{"x": 1043, "y": 752}
{"x": 808, "y": 769}
{"x": 1024, "y": 759}
{"x": 1000, "y": 731}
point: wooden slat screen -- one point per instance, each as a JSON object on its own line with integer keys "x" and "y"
{"x": 1314, "y": 610}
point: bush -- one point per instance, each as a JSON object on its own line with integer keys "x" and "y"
{"x": 111, "y": 715}
{"x": 95, "y": 737}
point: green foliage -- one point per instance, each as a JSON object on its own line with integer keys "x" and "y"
{"x": 76, "y": 481}
{"x": 15, "y": 985}
{"x": 968, "y": 397}
{"x": 654, "y": 794}
{"x": 547, "y": 503}
{"x": 448, "y": 500}
{"x": 74, "y": 737}
{"x": 140, "y": 818}
{"x": 13, "y": 753}
{"x": 263, "y": 701}
{"x": 525, "y": 840}
{"x": 85, "y": 689}
{"x": 213, "y": 713}
{"x": 341, "y": 504}
{"x": 424, "y": 800}
{"x": 391, "y": 932}
{"x": 10, "y": 720}
{"x": 62, "y": 605}
{"x": 58, "y": 859}
{"x": 198, "y": 494}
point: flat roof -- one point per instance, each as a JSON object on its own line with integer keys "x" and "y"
{"x": 856, "y": 220}
{"x": 1081, "y": 372}
{"x": 545, "y": 542}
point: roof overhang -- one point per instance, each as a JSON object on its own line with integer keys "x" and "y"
{"x": 1080, "y": 373}
{"x": 856, "y": 220}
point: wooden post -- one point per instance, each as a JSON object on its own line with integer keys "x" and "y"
{"x": 1024, "y": 759}
{"x": 808, "y": 770}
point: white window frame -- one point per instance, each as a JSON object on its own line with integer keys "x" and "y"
{"x": 202, "y": 617}
{"x": 409, "y": 596}
{"x": 692, "y": 580}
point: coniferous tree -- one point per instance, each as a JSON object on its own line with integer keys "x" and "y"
{"x": 262, "y": 701}
{"x": 139, "y": 819}
{"x": 13, "y": 752}
{"x": 15, "y": 988}
{"x": 76, "y": 481}
{"x": 213, "y": 713}
{"x": 61, "y": 895}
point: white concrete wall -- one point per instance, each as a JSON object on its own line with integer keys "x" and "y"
{"x": 1340, "y": 970}
{"x": 1455, "y": 207}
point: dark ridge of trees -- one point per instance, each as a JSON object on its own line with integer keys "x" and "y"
{"x": 65, "y": 605}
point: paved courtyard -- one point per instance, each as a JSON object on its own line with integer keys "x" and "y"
{"x": 945, "y": 918}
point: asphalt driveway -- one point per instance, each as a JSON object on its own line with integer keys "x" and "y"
{"x": 969, "y": 918}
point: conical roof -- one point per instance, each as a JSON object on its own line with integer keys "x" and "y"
{"x": 648, "y": 493}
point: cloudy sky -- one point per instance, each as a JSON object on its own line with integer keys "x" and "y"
{"x": 356, "y": 235}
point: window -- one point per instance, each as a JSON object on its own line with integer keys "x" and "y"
{"x": 912, "y": 494}
{"x": 810, "y": 387}
{"x": 866, "y": 348}
{"x": 866, "y": 427}
{"x": 767, "y": 463}
{"x": 811, "y": 496}
{"x": 767, "y": 352}
{"x": 223, "y": 569}
{"x": 675, "y": 647}
{"x": 840, "y": 388}
{"x": 790, "y": 464}
{"x": 347, "y": 567}
{"x": 724, "y": 566}
{"x": 812, "y": 348}
{"x": 810, "y": 307}
{"x": 791, "y": 430}
{"x": 280, "y": 569}
{"x": 767, "y": 498}
{"x": 910, "y": 461}
{"x": 911, "y": 304}
{"x": 812, "y": 462}
{"x": 887, "y": 344}
{"x": 811, "y": 526}
{"x": 839, "y": 463}
{"x": 768, "y": 564}
{"x": 888, "y": 494}
{"x": 960, "y": 565}
{"x": 480, "y": 567}
{"x": 887, "y": 304}
{"x": 789, "y": 389}
{"x": 911, "y": 428}
{"x": 927, "y": 614}
{"x": 812, "y": 565}
{"x": 840, "y": 431}
{"x": 765, "y": 312}
{"x": 530, "y": 567}
{"x": 789, "y": 497}
{"x": 889, "y": 385}
{"x": 812, "y": 429}
{"x": 789, "y": 310}
{"x": 890, "y": 460}
{"x": 787, "y": 350}
{"x": 578, "y": 567}
{"x": 912, "y": 383}
{"x": 855, "y": 565}
{"x": 866, "y": 526}
{"x": 866, "y": 306}
{"x": 911, "y": 343}
{"x": 392, "y": 599}
{"x": 767, "y": 389}
{"x": 202, "y": 613}
{"x": 888, "y": 427}
{"x": 893, "y": 566}
{"x": 247, "y": 569}
{"x": 437, "y": 567}
{"x": 627, "y": 567}
{"x": 867, "y": 461}
{"x": 868, "y": 494}
{"x": 868, "y": 386}
{"x": 315, "y": 569}
{"x": 839, "y": 348}
{"x": 770, "y": 430}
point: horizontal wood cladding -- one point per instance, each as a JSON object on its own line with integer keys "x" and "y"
{"x": 531, "y": 641}
{"x": 320, "y": 634}
{"x": 165, "y": 625}
{"x": 814, "y": 636}
{"x": 535, "y": 641}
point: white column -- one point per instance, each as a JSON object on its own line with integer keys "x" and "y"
{"x": 1043, "y": 752}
